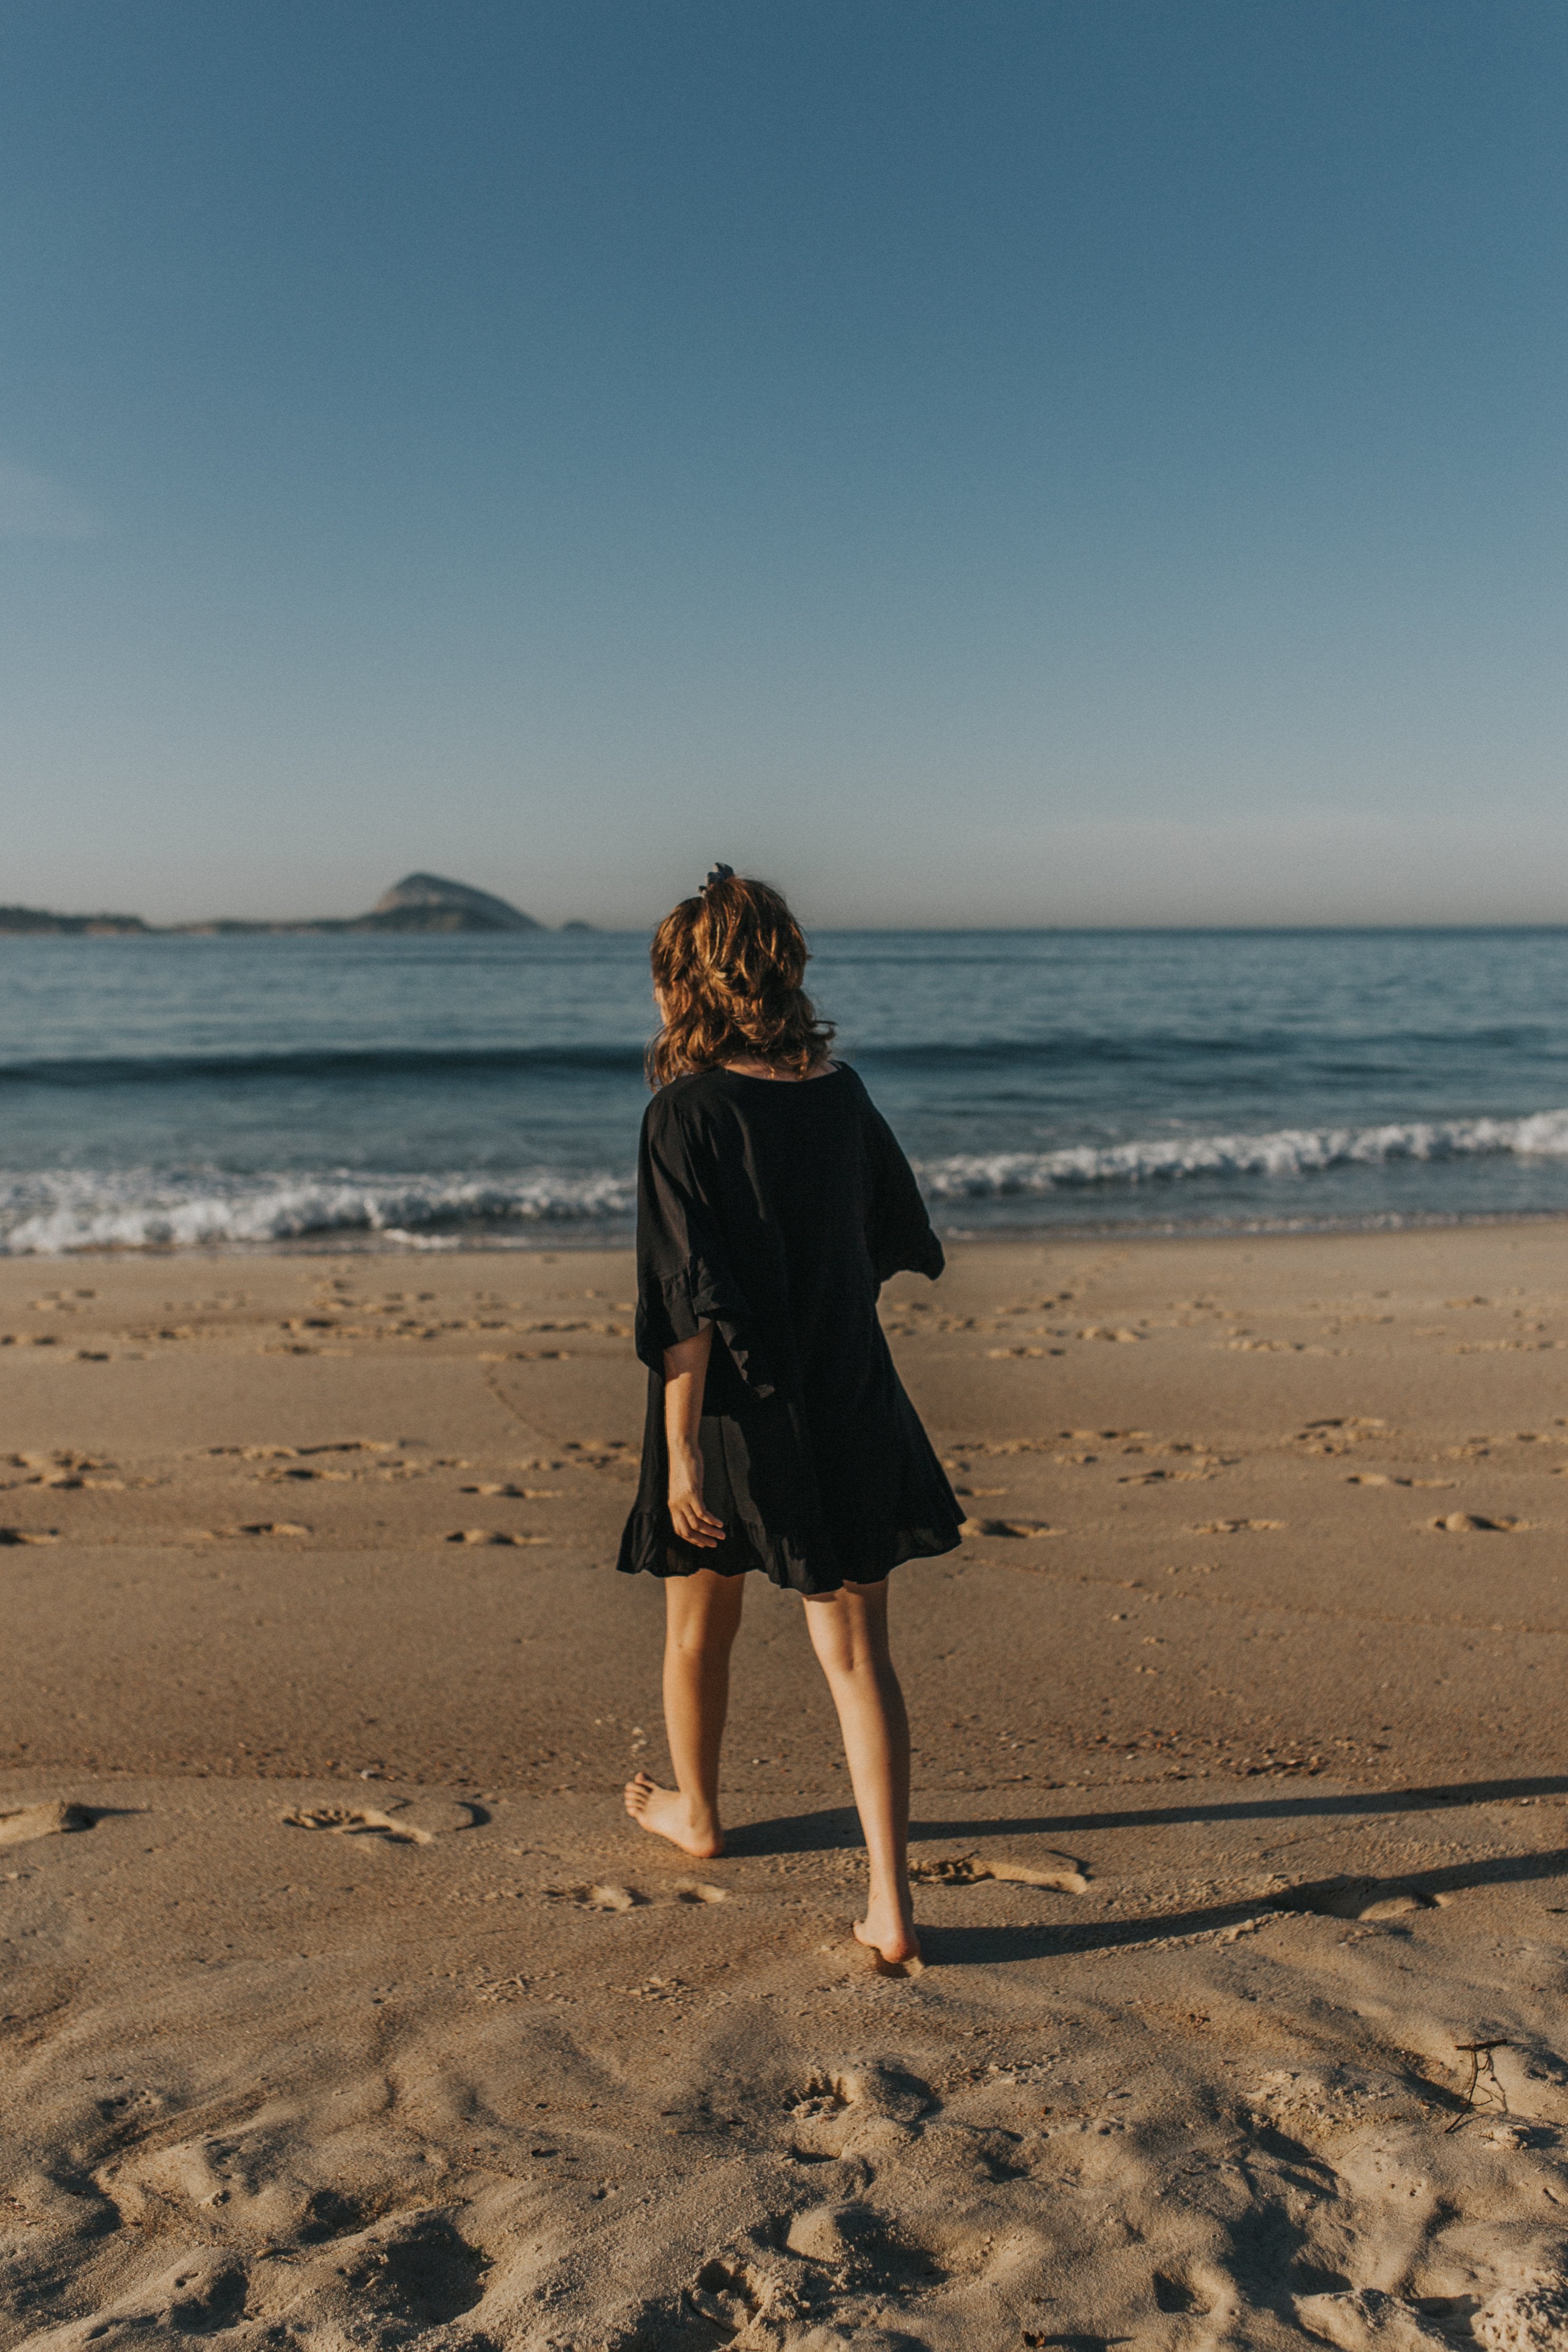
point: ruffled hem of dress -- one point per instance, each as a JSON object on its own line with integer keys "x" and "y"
{"x": 696, "y": 1296}
{"x": 646, "y": 1547}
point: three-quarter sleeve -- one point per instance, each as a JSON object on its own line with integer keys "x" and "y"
{"x": 684, "y": 1279}
{"x": 899, "y": 1238}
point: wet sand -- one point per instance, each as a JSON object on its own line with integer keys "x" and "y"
{"x": 342, "y": 2004}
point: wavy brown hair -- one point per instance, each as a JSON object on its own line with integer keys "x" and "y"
{"x": 728, "y": 966}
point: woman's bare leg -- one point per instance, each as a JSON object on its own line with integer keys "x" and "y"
{"x": 849, "y": 1634}
{"x": 702, "y": 1616}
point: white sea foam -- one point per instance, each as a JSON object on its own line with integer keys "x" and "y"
{"x": 1289, "y": 1151}
{"x": 60, "y": 1209}
{"x": 53, "y": 1212}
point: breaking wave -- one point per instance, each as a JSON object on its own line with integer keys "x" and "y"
{"x": 62, "y": 1209}
{"x": 56, "y": 1211}
{"x": 1289, "y": 1151}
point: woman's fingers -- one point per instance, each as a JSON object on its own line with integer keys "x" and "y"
{"x": 695, "y": 1526}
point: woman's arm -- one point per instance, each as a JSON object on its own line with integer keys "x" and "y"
{"x": 685, "y": 1371}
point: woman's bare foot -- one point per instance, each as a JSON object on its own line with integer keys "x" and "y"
{"x": 669, "y": 1815}
{"x": 888, "y": 1930}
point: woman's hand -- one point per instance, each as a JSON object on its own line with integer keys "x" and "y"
{"x": 685, "y": 1373}
{"x": 691, "y": 1522}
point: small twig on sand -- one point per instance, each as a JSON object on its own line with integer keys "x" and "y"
{"x": 1482, "y": 2072}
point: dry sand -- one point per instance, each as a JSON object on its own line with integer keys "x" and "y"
{"x": 342, "y": 2004}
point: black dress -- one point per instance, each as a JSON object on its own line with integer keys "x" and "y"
{"x": 775, "y": 1210}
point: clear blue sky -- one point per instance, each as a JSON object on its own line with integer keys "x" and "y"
{"x": 1010, "y": 461}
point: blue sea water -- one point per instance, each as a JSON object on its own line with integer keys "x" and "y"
{"x": 427, "y": 1092}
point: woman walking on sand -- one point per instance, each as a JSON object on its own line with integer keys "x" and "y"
{"x": 772, "y": 1204}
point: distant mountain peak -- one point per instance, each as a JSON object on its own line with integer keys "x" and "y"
{"x": 430, "y": 900}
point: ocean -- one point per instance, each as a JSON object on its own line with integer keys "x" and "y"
{"x": 423, "y": 1093}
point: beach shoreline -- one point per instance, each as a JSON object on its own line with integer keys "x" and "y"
{"x": 609, "y": 1239}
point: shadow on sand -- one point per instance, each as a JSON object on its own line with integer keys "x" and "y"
{"x": 836, "y": 1827}
{"x": 992, "y": 1945}
{"x": 837, "y": 1830}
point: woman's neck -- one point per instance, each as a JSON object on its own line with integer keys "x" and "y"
{"x": 750, "y": 1065}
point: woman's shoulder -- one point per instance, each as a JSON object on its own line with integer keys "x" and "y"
{"x": 683, "y": 1103}
{"x": 852, "y": 1088}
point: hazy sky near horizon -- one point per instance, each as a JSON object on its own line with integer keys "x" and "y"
{"x": 1005, "y": 461}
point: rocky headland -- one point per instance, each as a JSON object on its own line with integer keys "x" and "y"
{"x": 420, "y": 902}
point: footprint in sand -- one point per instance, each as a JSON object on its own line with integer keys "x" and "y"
{"x": 254, "y": 1527}
{"x": 29, "y": 1535}
{"x": 297, "y": 1452}
{"x": 1378, "y": 1478}
{"x": 1059, "y": 1871}
{"x": 44, "y": 1820}
{"x": 1173, "y": 2292}
{"x": 1470, "y": 1523}
{"x": 412, "y": 1825}
{"x": 605, "y": 1896}
{"x": 1008, "y": 1527}
{"x": 1163, "y": 1477}
{"x": 1366, "y": 2317}
{"x": 339, "y": 1822}
{"x": 1238, "y": 1527}
{"x": 490, "y": 1535}
{"x": 511, "y": 1494}
{"x": 844, "y": 2110}
{"x": 609, "y": 1896}
{"x": 1354, "y": 1898}
{"x": 1527, "y": 2316}
{"x": 388, "y": 2284}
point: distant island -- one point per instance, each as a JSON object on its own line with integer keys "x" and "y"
{"x": 420, "y": 902}
{"x": 15, "y": 921}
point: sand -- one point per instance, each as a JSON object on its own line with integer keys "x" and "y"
{"x": 341, "y": 2005}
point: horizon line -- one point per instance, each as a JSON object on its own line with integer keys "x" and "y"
{"x": 227, "y": 928}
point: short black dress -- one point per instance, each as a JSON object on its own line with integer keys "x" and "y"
{"x": 775, "y": 1211}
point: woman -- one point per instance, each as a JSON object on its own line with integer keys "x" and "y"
{"x": 772, "y": 1204}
